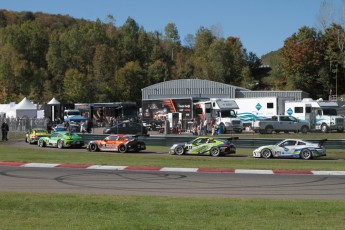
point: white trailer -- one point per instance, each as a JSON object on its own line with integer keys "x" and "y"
{"x": 222, "y": 110}
{"x": 251, "y": 109}
{"x": 321, "y": 115}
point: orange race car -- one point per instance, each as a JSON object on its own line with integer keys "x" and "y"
{"x": 117, "y": 142}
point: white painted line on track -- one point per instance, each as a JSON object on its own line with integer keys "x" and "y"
{"x": 253, "y": 171}
{"x": 107, "y": 167}
{"x": 40, "y": 165}
{"x": 329, "y": 173}
{"x": 167, "y": 169}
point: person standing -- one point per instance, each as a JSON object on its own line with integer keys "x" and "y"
{"x": 205, "y": 127}
{"x": 4, "y": 130}
{"x": 89, "y": 126}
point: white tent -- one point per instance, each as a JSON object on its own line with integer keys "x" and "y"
{"x": 25, "y": 109}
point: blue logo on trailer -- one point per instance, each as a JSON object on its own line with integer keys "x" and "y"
{"x": 258, "y": 106}
{"x": 289, "y": 111}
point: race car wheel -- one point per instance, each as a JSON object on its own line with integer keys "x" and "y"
{"x": 266, "y": 153}
{"x": 306, "y": 154}
{"x": 179, "y": 150}
{"x": 93, "y": 147}
{"x": 60, "y": 144}
{"x": 122, "y": 149}
{"x": 26, "y": 139}
{"x": 215, "y": 151}
{"x": 41, "y": 143}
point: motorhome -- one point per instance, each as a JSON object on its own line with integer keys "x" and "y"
{"x": 321, "y": 115}
{"x": 223, "y": 111}
{"x": 251, "y": 109}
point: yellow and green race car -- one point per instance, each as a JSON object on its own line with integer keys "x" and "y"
{"x": 62, "y": 139}
{"x": 205, "y": 146}
{"x": 32, "y": 136}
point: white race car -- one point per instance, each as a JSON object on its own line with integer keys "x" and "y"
{"x": 292, "y": 148}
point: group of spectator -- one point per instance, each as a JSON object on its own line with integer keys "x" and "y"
{"x": 204, "y": 127}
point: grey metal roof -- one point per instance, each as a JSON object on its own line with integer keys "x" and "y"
{"x": 198, "y": 88}
{"x": 294, "y": 95}
{"x": 190, "y": 88}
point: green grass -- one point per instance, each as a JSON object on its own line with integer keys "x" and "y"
{"x": 240, "y": 160}
{"x": 51, "y": 211}
{"x": 75, "y": 211}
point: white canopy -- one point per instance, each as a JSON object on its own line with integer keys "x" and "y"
{"x": 25, "y": 108}
{"x": 53, "y": 102}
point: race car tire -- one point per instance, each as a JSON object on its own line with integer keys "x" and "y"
{"x": 41, "y": 143}
{"x": 60, "y": 144}
{"x": 266, "y": 153}
{"x": 215, "y": 152}
{"x": 26, "y": 139}
{"x": 179, "y": 150}
{"x": 122, "y": 149}
{"x": 306, "y": 154}
{"x": 93, "y": 147}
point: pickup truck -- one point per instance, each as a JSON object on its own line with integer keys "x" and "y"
{"x": 280, "y": 123}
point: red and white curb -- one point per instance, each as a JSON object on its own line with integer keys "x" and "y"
{"x": 170, "y": 169}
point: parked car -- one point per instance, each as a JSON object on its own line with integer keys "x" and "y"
{"x": 292, "y": 148}
{"x": 205, "y": 146}
{"x": 281, "y": 123}
{"x": 59, "y": 127}
{"x": 126, "y": 128}
{"x": 61, "y": 139}
{"x": 72, "y": 126}
{"x": 119, "y": 142}
{"x": 32, "y": 136}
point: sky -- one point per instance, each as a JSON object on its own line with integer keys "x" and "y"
{"x": 261, "y": 25}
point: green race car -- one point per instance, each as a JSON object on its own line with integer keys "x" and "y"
{"x": 61, "y": 139}
{"x": 35, "y": 134}
{"x": 205, "y": 146}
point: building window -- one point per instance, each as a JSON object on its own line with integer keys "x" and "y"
{"x": 270, "y": 105}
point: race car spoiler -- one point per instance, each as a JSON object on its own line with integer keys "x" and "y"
{"x": 322, "y": 141}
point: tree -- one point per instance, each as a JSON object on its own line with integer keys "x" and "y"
{"x": 129, "y": 81}
{"x": 76, "y": 87}
{"x": 302, "y": 57}
{"x": 104, "y": 65}
{"x": 203, "y": 40}
{"x": 11, "y": 68}
{"x": 171, "y": 33}
{"x": 236, "y": 60}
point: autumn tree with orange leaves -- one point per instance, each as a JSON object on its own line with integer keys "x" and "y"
{"x": 302, "y": 59}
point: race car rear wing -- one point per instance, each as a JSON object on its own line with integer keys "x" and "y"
{"x": 322, "y": 141}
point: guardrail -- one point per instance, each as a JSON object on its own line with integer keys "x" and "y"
{"x": 162, "y": 140}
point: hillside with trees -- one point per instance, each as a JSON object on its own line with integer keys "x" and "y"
{"x": 78, "y": 61}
